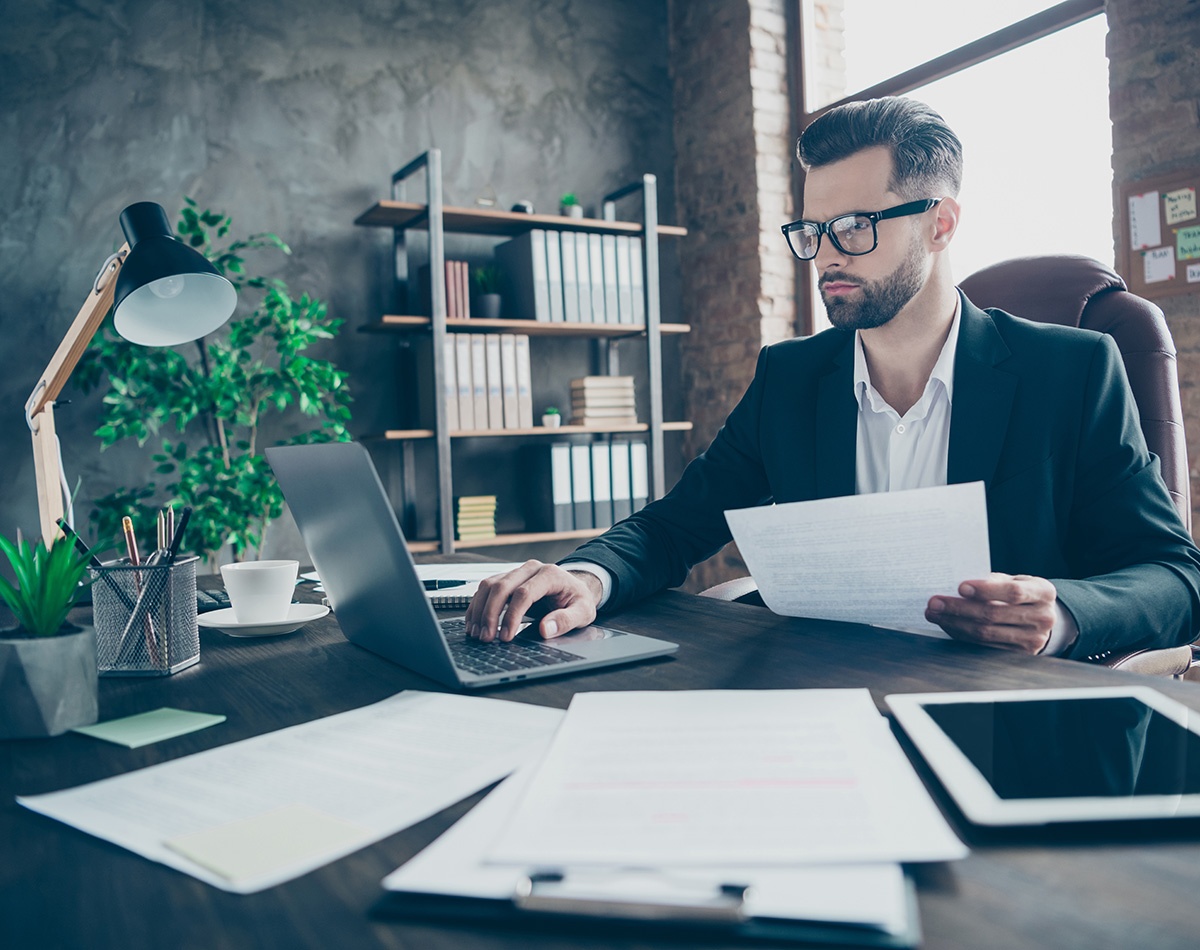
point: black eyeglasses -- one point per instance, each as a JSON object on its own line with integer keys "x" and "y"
{"x": 852, "y": 234}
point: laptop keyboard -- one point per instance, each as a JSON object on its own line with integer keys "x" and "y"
{"x": 481, "y": 658}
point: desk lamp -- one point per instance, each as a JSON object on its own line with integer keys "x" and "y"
{"x": 163, "y": 293}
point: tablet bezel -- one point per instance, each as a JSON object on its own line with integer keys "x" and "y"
{"x": 980, "y": 804}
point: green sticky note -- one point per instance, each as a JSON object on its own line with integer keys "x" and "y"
{"x": 1187, "y": 243}
{"x": 154, "y": 726}
{"x": 278, "y": 840}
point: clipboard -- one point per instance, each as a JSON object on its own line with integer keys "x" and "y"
{"x": 540, "y": 903}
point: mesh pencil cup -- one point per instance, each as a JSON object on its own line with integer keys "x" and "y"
{"x": 145, "y": 618}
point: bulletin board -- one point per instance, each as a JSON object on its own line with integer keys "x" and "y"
{"x": 1159, "y": 254}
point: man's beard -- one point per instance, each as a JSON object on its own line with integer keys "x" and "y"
{"x": 881, "y": 300}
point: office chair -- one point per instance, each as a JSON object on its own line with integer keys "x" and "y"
{"x": 1079, "y": 291}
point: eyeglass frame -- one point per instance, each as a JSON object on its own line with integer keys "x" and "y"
{"x": 898, "y": 211}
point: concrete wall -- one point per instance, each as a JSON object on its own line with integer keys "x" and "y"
{"x": 292, "y": 114}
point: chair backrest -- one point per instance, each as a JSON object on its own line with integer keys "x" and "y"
{"x": 1081, "y": 292}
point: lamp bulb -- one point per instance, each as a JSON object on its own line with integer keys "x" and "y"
{"x": 167, "y": 287}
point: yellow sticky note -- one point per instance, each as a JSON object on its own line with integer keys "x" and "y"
{"x": 276, "y": 840}
{"x": 1179, "y": 205}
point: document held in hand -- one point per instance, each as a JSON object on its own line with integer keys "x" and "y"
{"x": 866, "y": 558}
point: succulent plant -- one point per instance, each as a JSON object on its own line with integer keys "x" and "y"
{"x": 47, "y": 583}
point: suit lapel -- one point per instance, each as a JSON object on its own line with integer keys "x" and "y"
{"x": 837, "y": 426}
{"x": 983, "y": 397}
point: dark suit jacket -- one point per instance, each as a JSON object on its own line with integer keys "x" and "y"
{"x": 1041, "y": 414}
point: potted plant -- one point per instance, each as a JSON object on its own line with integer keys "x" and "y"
{"x": 570, "y": 205}
{"x": 551, "y": 417}
{"x": 47, "y": 665}
{"x": 488, "y": 281}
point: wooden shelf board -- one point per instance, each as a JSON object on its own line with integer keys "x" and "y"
{"x": 424, "y": 547}
{"x": 405, "y": 214}
{"x": 403, "y": 435}
{"x": 529, "y": 538}
{"x": 394, "y": 323}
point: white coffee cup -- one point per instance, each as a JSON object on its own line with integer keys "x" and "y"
{"x": 260, "y": 591}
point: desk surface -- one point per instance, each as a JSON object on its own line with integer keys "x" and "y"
{"x": 1122, "y": 887}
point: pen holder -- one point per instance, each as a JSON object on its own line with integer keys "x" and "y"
{"x": 145, "y": 618}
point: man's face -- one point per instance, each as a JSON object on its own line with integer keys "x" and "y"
{"x": 866, "y": 291}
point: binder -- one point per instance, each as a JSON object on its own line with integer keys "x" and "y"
{"x": 450, "y": 383}
{"x": 639, "y": 474}
{"x": 546, "y": 487}
{"x": 622, "y": 487}
{"x": 583, "y": 274}
{"x": 524, "y": 262}
{"x": 581, "y": 485}
{"x": 638, "y": 274}
{"x": 612, "y": 312}
{"x": 596, "y": 275}
{"x": 554, "y": 275}
{"x": 495, "y": 384}
{"x": 570, "y": 278}
{"x": 508, "y": 377}
{"x": 524, "y": 383}
{"x": 466, "y": 394}
{"x": 479, "y": 380}
{"x": 602, "y": 501}
{"x": 624, "y": 280}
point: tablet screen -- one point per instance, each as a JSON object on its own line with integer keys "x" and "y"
{"x": 1091, "y": 747}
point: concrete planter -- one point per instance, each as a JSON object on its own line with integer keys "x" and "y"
{"x": 488, "y": 306}
{"x": 47, "y": 684}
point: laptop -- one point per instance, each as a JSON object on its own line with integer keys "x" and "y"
{"x": 356, "y": 545}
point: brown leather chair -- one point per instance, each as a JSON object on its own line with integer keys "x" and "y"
{"x": 1079, "y": 291}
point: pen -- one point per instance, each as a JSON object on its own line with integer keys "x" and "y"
{"x": 79, "y": 545}
{"x": 177, "y": 537}
{"x": 135, "y": 560}
{"x": 442, "y": 585}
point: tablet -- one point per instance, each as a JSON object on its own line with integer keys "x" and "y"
{"x": 1038, "y": 756}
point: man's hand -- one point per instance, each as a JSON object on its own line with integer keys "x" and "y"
{"x": 499, "y": 605}
{"x": 1010, "y": 611}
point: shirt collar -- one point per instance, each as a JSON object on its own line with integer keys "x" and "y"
{"x": 943, "y": 369}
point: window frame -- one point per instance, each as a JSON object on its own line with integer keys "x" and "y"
{"x": 1008, "y": 38}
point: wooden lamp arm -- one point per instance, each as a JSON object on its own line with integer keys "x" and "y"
{"x": 39, "y": 408}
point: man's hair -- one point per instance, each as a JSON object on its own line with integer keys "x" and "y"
{"x": 926, "y": 154}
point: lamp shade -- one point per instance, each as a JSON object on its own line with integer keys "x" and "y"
{"x": 166, "y": 293}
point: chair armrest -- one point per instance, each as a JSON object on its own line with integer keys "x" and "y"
{"x": 733, "y": 590}
{"x": 1173, "y": 661}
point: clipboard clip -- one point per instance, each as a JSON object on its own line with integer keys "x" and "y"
{"x": 675, "y": 901}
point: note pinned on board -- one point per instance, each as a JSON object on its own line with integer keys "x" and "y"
{"x": 269, "y": 842}
{"x": 1187, "y": 243}
{"x": 1158, "y": 265}
{"x": 1144, "y": 227}
{"x": 1179, "y": 205}
{"x": 1193, "y": 273}
{"x": 148, "y": 727}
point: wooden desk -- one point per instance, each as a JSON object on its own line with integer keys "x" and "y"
{"x": 59, "y": 888}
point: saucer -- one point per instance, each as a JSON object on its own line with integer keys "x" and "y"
{"x": 298, "y": 615}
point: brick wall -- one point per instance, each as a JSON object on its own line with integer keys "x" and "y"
{"x": 1154, "y": 87}
{"x": 733, "y": 140}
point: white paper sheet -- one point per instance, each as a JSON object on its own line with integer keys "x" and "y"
{"x": 866, "y": 558}
{"x": 1145, "y": 229}
{"x": 381, "y": 768}
{"x": 868, "y": 894}
{"x": 1158, "y": 264}
{"x": 724, "y": 778}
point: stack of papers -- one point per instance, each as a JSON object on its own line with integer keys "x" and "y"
{"x": 803, "y": 796}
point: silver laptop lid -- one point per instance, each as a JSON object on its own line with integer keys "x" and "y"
{"x": 358, "y": 549}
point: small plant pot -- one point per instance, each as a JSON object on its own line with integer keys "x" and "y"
{"x": 552, "y": 420}
{"x": 572, "y": 211}
{"x": 47, "y": 684}
{"x": 487, "y": 306}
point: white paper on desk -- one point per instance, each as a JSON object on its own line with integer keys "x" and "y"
{"x": 866, "y": 558}
{"x": 471, "y": 572}
{"x": 868, "y": 894}
{"x": 723, "y": 778}
{"x": 379, "y": 768}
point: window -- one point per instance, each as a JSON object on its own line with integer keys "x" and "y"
{"x": 1029, "y": 101}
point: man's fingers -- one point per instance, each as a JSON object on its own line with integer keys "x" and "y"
{"x": 1009, "y": 588}
{"x": 578, "y": 613}
{"x": 483, "y": 613}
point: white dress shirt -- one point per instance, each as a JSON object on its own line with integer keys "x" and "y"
{"x": 897, "y": 452}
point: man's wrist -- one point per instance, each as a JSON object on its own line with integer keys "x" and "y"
{"x": 592, "y": 582}
{"x": 601, "y": 575}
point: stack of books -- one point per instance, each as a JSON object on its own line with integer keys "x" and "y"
{"x": 602, "y": 401}
{"x": 475, "y": 517}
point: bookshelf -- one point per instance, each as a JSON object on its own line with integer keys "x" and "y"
{"x": 437, "y": 220}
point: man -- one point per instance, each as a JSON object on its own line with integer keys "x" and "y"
{"x": 914, "y": 387}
